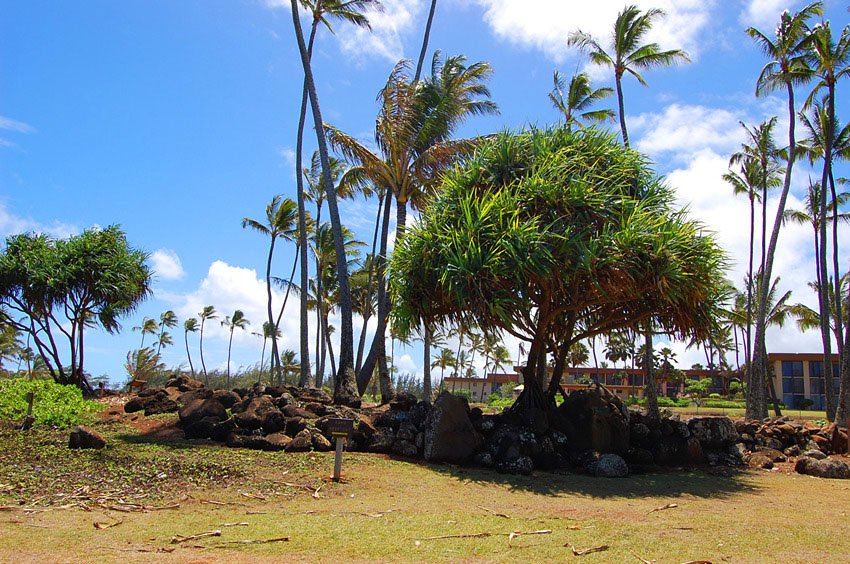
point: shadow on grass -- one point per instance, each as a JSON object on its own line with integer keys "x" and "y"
{"x": 666, "y": 482}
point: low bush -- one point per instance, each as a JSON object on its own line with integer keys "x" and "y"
{"x": 54, "y": 404}
{"x": 724, "y": 404}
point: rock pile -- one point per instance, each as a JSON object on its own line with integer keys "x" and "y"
{"x": 591, "y": 430}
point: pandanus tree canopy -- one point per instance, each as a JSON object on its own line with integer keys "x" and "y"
{"x": 554, "y": 236}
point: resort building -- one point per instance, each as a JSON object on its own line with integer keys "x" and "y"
{"x": 798, "y": 379}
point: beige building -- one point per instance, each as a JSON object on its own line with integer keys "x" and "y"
{"x": 798, "y": 377}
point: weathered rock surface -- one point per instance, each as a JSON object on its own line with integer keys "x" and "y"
{"x": 609, "y": 466}
{"x": 449, "y": 434}
{"x": 826, "y": 468}
{"x": 83, "y": 437}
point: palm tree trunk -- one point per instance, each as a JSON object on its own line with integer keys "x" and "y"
{"x": 262, "y": 361}
{"x": 618, "y": 81}
{"x": 320, "y": 350}
{"x": 203, "y": 364}
{"x": 274, "y": 355}
{"x": 369, "y": 282}
{"x": 188, "y": 354}
{"x": 748, "y": 345}
{"x": 756, "y": 405}
{"x": 345, "y": 392}
{"x": 831, "y": 407}
{"x": 368, "y": 368}
{"x": 229, "y": 347}
{"x": 425, "y": 41}
{"x": 330, "y": 347}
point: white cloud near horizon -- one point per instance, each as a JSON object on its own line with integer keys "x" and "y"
{"x": 522, "y": 22}
{"x": 11, "y": 224}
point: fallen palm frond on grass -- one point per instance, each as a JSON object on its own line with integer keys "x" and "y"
{"x": 577, "y": 552}
{"x": 179, "y": 539}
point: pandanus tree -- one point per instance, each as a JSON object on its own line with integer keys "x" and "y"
{"x": 351, "y": 11}
{"x": 54, "y": 290}
{"x": 575, "y": 99}
{"x": 555, "y": 236}
{"x": 786, "y": 68}
{"x": 279, "y": 223}
{"x": 413, "y": 136}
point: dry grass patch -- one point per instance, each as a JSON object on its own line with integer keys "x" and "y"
{"x": 389, "y": 510}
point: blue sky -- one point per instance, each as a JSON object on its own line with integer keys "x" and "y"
{"x": 177, "y": 119}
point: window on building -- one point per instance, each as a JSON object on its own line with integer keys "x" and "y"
{"x": 636, "y": 380}
{"x": 793, "y": 387}
{"x": 816, "y": 383}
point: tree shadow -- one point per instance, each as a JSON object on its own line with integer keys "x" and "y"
{"x": 661, "y": 482}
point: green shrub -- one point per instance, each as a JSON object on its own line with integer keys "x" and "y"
{"x": 54, "y": 404}
{"x": 724, "y": 404}
{"x": 715, "y": 396}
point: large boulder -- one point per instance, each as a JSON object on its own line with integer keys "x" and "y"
{"x": 83, "y": 437}
{"x": 609, "y": 466}
{"x": 200, "y": 409}
{"x": 153, "y": 402}
{"x": 184, "y": 383}
{"x": 227, "y": 398}
{"x": 714, "y": 432}
{"x": 261, "y": 413}
{"x": 449, "y": 434}
{"x": 189, "y": 396}
{"x": 595, "y": 419}
{"x": 826, "y": 468}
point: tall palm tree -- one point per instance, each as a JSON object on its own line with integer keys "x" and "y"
{"x": 412, "y": 133}
{"x": 446, "y": 359}
{"x": 575, "y": 100}
{"x": 189, "y": 326}
{"x": 207, "y": 313}
{"x": 148, "y": 327}
{"x": 289, "y": 364}
{"x": 350, "y": 11}
{"x": 167, "y": 319}
{"x": 425, "y": 39}
{"x": 786, "y": 69}
{"x": 628, "y": 54}
{"x": 280, "y": 222}
{"x": 237, "y": 321}
{"x": 829, "y": 59}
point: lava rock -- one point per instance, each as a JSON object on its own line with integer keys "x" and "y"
{"x": 83, "y": 437}
{"x": 449, "y": 434}
{"x": 826, "y": 468}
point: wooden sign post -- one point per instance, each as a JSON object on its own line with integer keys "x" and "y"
{"x": 341, "y": 430}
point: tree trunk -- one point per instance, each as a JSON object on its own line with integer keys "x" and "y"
{"x": 618, "y": 81}
{"x": 369, "y": 285}
{"x": 345, "y": 393}
{"x": 756, "y": 405}
{"x": 425, "y": 41}
{"x": 201, "y": 347}
{"x": 426, "y": 367}
{"x": 188, "y": 354}
{"x": 275, "y": 358}
{"x": 649, "y": 376}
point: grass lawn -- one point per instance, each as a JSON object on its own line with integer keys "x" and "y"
{"x": 739, "y": 412}
{"x": 127, "y": 502}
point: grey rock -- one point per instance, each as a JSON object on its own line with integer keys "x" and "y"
{"x": 449, "y": 434}
{"x": 826, "y": 468}
{"x": 713, "y": 432}
{"x": 609, "y": 466}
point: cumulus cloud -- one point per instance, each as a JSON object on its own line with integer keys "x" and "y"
{"x": 11, "y": 224}
{"x": 763, "y": 14}
{"x": 545, "y": 24}
{"x": 167, "y": 265}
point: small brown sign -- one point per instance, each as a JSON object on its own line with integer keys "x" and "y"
{"x": 340, "y": 427}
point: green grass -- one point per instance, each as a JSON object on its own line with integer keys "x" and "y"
{"x": 739, "y": 412}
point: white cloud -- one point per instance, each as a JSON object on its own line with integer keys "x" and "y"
{"x": 11, "y": 224}
{"x": 763, "y": 14}
{"x": 10, "y": 124}
{"x": 167, "y": 265}
{"x": 545, "y": 24}
{"x": 680, "y": 130}
{"x": 385, "y": 38}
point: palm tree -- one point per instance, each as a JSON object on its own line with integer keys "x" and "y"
{"x": 578, "y": 355}
{"x": 280, "y": 221}
{"x": 168, "y": 319}
{"x": 238, "y": 320}
{"x": 446, "y": 359}
{"x": 350, "y": 11}
{"x": 289, "y": 364}
{"x": 786, "y": 68}
{"x": 578, "y": 97}
{"x": 189, "y": 326}
{"x": 207, "y": 313}
{"x": 148, "y": 327}
{"x": 628, "y": 55}
{"x": 412, "y": 132}
{"x": 425, "y": 42}
{"x": 829, "y": 58}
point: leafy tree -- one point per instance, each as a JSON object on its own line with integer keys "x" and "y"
{"x": 555, "y": 236}
{"x": 189, "y": 326}
{"x": 237, "y": 321}
{"x": 786, "y": 68}
{"x": 207, "y": 313}
{"x": 10, "y": 344}
{"x": 53, "y": 289}
{"x": 698, "y": 389}
{"x": 575, "y": 100}
{"x": 627, "y": 54}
